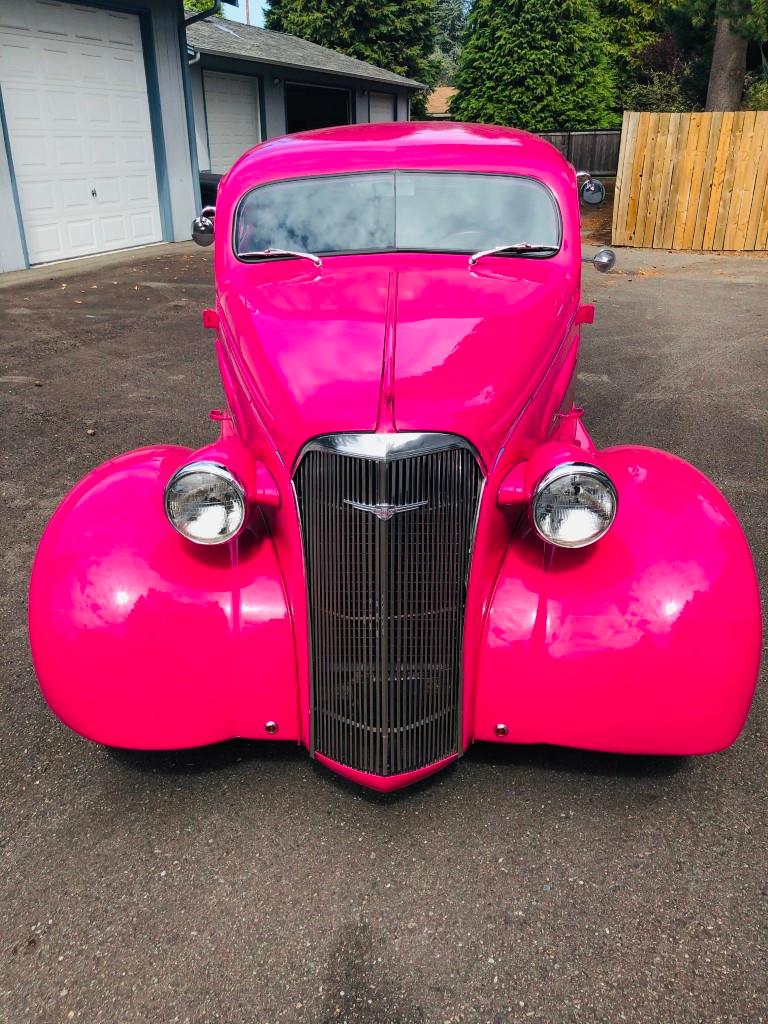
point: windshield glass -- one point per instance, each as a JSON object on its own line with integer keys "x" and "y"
{"x": 384, "y": 211}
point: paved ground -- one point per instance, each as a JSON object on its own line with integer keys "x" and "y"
{"x": 244, "y": 885}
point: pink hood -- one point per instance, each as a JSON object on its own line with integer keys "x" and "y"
{"x": 396, "y": 342}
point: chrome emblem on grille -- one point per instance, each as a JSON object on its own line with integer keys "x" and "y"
{"x": 385, "y": 511}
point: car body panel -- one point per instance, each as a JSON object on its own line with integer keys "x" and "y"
{"x": 626, "y": 645}
{"x": 141, "y": 639}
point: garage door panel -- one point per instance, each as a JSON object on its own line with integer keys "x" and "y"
{"x": 64, "y": 105}
{"x": 381, "y": 107}
{"x": 97, "y": 108}
{"x": 46, "y": 239}
{"x": 82, "y": 70}
{"x": 121, "y": 30}
{"x": 142, "y": 225}
{"x": 108, "y": 190}
{"x": 23, "y": 106}
{"x": 114, "y": 230}
{"x": 127, "y": 70}
{"x": 134, "y": 151}
{"x": 57, "y": 65}
{"x": 17, "y": 60}
{"x": 30, "y": 155}
{"x": 70, "y": 153}
{"x": 80, "y": 22}
{"x": 81, "y": 235}
{"x": 137, "y": 188}
{"x": 39, "y": 197}
{"x": 75, "y": 194}
{"x": 18, "y": 16}
{"x": 94, "y": 67}
{"x": 128, "y": 112}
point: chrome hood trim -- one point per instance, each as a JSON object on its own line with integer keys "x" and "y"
{"x": 386, "y": 447}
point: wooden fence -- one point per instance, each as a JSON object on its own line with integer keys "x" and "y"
{"x": 693, "y": 181}
{"x": 595, "y": 151}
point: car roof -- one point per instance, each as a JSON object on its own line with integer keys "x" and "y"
{"x": 406, "y": 145}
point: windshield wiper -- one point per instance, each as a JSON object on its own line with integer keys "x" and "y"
{"x": 512, "y": 250}
{"x": 293, "y": 253}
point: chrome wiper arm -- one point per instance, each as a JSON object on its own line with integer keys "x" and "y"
{"x": 516, "y": 247}
{"x": 269, "y": 253}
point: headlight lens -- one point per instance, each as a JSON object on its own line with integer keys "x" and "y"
{"x": 573, "y": 505}
{"x": 205, "y": 503}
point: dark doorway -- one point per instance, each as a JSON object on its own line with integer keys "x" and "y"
{"x": 313, "y": 106}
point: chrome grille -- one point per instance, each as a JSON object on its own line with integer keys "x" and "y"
{"x": 387, "y": 595}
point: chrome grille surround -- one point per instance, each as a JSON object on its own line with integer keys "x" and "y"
{"x": 386, "y": 589}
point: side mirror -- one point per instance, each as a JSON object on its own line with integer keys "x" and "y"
{"x": 603, "y": 260}
{"x": 591, "y": 190}
{"x": 202, "y": 226}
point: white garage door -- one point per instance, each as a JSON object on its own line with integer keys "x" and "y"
{"x": 381, "y": 107}
{"x": 76, "y": 106}
{"x": 232, "y": 116}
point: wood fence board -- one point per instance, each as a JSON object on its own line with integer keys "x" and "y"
{"x": 743, "y": 186}
{"x": 718, "y": 176}
{"x": 726, "y": 195}
{"x": 762, "y": 232}
{"x": 595, "y": 151}
{"x": 677, "y": 171}
{"x": 688, "y": 159}
{"x": 636, "y": 177}
{"x": 692, "y": 181}
{"x": 705, "y": 195}
{"x": 760, "y": 193}
{"x": 644, "y": 185}
{"x": 698, "y": 185}
{"x": 665, "y": 181}
{"x": 654, "y": 181}
{"x": 628, "y": 135}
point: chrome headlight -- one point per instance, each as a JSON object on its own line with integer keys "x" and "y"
{"x": 205, "y": 503}
{"x": 573, "y": 505}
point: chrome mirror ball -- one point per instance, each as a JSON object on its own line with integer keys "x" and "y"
{"x": 202, "y": 226}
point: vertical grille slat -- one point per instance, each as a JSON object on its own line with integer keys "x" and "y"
{"x": 386, "y": 601}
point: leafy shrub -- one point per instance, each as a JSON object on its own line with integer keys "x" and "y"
{"x": 756, "y": 93}
{"x": 661, "y": 91}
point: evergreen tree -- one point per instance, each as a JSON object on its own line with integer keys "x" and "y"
{"x": 450, "y": 16}
{"x": 536, "y": 64}
{"x": 735, "y": 24}
{"x": 398, "y": 35}
{"x": 193, "y": 6}
{"x": 631, "y": 26}
{"x": 673, "y": 71}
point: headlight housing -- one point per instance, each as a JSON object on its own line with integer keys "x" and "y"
{"x": 573, "y": 505}
{"x": 205, "y": 503}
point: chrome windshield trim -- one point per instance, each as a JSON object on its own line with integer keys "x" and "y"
{"x": 386, "y": 447}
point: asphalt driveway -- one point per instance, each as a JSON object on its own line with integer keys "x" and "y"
{"x": 243, "y": 884}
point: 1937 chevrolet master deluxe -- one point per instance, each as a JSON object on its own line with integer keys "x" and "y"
{"x": 404, "y": 538}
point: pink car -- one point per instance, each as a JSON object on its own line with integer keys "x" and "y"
{"x": 404, "y": 539}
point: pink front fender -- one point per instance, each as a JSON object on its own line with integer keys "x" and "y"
{"x": 142, "y": 639}
{"x": 647, "y": 642}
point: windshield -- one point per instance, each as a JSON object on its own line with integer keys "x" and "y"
{"x": 384, "y": 211}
